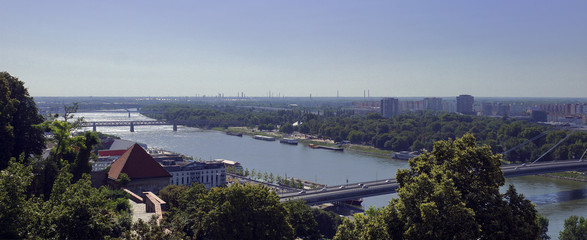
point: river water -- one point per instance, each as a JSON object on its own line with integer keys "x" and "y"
{"x": 556, "y": 199}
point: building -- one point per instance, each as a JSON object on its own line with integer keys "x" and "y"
{"x": 411, "y": 106}
{"x": 389, "y": 107}
{"x": 465, "y": 104}
{"x": 121, "y": 144}
{"x": 539, "y": 116}
{"x": 210, "y": 173}
{"x": 487, "y": 109}
{"x": 503, "y": 109}
{"x": 145, "y": 173}
{"x": 432, "y": 104}
{"x": 233, "y": 164}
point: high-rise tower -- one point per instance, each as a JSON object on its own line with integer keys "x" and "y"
{"x": 389, "y": 107}
{"x": 465, "y": 104}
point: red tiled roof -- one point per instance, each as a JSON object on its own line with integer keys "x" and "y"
{"x": 137, "y": 163}
{"x": 104, "y": 153}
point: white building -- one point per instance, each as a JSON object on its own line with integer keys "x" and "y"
{"x": 210, "y": 174}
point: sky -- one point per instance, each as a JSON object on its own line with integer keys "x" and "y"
{"x": 502, "y": 48}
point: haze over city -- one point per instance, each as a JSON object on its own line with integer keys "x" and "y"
{"x": 391, "y": 48}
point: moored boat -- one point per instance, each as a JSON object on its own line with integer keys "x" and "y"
{"x": 325, "y": 147}
{"x": 238, "y": 134}
{"x": 289, "y": 141}
{"x": 264, "y": 138}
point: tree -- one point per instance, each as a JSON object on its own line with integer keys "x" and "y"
{"x": 235, "y": 212}
{"x": 327, "y": 222}
{"x": 244, "y": 212}
{"x": 74, "y": 211}
{"x": 301, "y": 218}
{"x": 171, "y": 194}
{"x": 453, "y": 192}
{"x": 19, "y": 120}
{"x": 14, "y": 182}
{"x": 76, "y": 151}
{"x": 575, "y": 229}
{"x": 286, "y": 128}
{"x": 85, "y": 145}
{"x": 543, "y": 223}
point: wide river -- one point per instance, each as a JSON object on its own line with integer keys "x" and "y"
{"x": 555, "y": 199}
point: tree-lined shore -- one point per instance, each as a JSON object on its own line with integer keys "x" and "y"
{"x": 408, "y": 132}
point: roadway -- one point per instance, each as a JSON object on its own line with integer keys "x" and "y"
{"x": 388, "y": 186}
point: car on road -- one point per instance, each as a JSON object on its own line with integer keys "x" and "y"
{"x": 388, "y": 180}
{"x": 360, "y": 184}
{"x": 365, "y": 186}
{"x": 302, "y": 192}
{"x": 323, "y": 190}
{"x": 341, "y": 187}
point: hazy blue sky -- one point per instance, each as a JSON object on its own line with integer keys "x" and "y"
{"x": 526, "y": 48}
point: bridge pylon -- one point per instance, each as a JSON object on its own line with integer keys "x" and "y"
{"x": 132, "y": 127}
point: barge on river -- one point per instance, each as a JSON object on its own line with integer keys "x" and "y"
{"x": 238, "y": 134}
{"x": 316, "y": 146}
{"x": 289, "y": 141}
{"x": 264, "y": 138}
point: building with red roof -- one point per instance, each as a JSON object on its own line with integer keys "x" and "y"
{"x": 145, "y": 173}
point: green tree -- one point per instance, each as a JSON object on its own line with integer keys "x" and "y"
{"x": 301, "y": 218}
{"x": 19, "y": 120}
{"x": 171, "y": 194}
{"x": 453, "y": 192}
{"x": 327, "y": 221}
{"x": 74, "y": 150}
{"x": 286, "y": 128}
{"x": 575, "y": 229}
{"x": 14, "y": 182}
{"x": 235, "y": 212}
{"x": 74, "y": 211}
{"x": 543, "y": 223}
{"x": 151, "y": 230}
{"x": 244, "y": 212}
{"x": 81, "y": 164}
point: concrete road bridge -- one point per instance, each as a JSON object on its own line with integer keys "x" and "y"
{"x": 387, "y": 186}
{"x": 132, "y": 124}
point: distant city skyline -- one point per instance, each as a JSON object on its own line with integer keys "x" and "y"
{"x": 297, "y": 49}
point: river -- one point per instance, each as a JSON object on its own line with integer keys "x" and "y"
{"x": 556, "y": 199}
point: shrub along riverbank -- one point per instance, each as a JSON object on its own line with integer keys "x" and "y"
{"x": 411, "y": 131}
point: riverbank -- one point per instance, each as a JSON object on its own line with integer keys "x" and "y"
{"x": 570, "y": 175}
{"x": 308, "y": 139}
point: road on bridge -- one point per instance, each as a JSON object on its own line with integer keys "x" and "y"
{"x": 387, "y": 186}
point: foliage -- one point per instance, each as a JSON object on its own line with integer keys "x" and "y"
{"x": 575, "y": 229}
{"x": 452, "y": 192}
{"x": 235, "y": 212}
{"x": 151, "y": 230}
{"x": 19, "y": 119}
{"x": 327, "y": 222}
{"x": 123, "y": 179}
{"x": 76, "y": 151}
{"x": 543, "y": 223}
{"x": 74, "y": 211}
{"x": 14, "y": 181}
{"x": 301, "y": 218}
{"x": 411, "y": 131}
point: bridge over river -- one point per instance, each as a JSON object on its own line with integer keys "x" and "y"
{"x": 388, "y": 186}
{"x": 132, "y": 124}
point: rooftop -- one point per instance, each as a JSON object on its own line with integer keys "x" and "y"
{"x": 137, "y": 163}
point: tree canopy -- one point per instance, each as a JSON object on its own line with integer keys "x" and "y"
{"x": 575, "y": 229}
{"x": 452, "y": 193}
{"x": 410, "y": 131}
{"x": 19, "y": 119}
